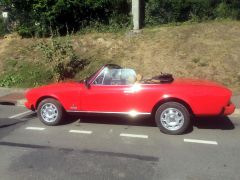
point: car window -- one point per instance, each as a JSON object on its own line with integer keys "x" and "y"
{"x": 100, "y": 78}
{"x": 129, "y": 76}
{"x": 112, "y": 76}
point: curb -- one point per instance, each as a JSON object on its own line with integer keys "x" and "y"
{"x": 12, "y": 98}
{"x": 20, "y": 102}
{"x": 13, "y": 90}
{"x": 236, "y": 112}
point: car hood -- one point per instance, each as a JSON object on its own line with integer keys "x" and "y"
{"x": 56, "y": 87}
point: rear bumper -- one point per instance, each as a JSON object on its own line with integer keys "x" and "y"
{"x": 229, "y": 109}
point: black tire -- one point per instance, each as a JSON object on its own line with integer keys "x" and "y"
{"x": 184, "y": 113}
{"x": 60, "y": 112}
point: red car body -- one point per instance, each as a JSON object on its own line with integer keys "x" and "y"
{"x": 200, "y": 97}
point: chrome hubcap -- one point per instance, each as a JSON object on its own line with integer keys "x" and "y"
{"x": 172, "y": 119}
{"x": 49, "y": 112}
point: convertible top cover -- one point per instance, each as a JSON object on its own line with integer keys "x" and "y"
{"x": 162, "y": 78}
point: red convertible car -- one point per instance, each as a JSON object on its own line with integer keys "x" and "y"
{"x": 116, "y": 90}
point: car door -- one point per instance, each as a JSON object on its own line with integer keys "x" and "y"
{"x": 143, "y": 97}
{"x": 106, "y": 94}
{"x": 101, "y": 98}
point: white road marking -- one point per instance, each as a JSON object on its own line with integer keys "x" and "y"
{"x": 201, "y": 141}
{"x": 20, "y": 114}
{"x": 134, "y": 135}
{"x": 35, "y": 128}
{"x": 79, "y": 131}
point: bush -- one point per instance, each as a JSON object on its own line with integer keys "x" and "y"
{"x": 25, "y": 31}
{"x": 39, "y": 17}
{"x": 61, "y": 58}
{"x": 3, "y": 29}
{"x": 168, "y": 11}
{"x": 224, "y": 10}
{"x": 22, "y": 73}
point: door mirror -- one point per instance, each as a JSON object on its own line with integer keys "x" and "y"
{"x": 87, "y": 85}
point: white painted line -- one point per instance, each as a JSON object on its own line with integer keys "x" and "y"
{"x": 80, "y": 132}
{"x": 201, "y": 141}
{"x": 35, "y": 128}
{"x": 20, "y": 114}
{"x": 134, "y": 135}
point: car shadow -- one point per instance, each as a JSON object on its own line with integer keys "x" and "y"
{"x": 117, "y": 120}
{"x": 209, "y": 122}
{"x": 67, "y": 120}
{"x": 218, "y": 122}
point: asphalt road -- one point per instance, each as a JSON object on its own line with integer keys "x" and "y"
{"x": 109, "y": 147}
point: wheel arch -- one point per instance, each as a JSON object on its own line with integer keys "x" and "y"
{"x": 172, "y": 99}
{"x": 40, "y": 99}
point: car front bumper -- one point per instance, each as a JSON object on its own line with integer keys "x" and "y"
{"x": 229, "y": 109}
{"x": 29, "y": 105}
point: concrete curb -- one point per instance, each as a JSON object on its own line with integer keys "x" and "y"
{"x": 12, "y": 97}
{"x": 7, "y": 91}
{"x": 20, "y": 102}
{"x": 10, "y": 90}
{"x": 236, "y": 112}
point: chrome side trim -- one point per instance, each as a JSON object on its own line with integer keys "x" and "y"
{"x": 105, "y": 112}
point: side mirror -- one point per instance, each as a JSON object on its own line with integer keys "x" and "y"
{"x": 87, "y": 85}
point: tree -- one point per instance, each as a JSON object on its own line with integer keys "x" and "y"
{"x": 38, "y": 17}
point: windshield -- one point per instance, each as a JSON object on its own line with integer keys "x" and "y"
{"x": 100, "y": 69}
{"x": 91, "y": 76}
{"x": 113, "y": 76}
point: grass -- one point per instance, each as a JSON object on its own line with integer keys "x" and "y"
{"x": 209, "y": 50}
{"x": 22, "y": 73}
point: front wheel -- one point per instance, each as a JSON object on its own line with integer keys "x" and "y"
{"x": 50, "y": 112}
{"x": 172, "y": 118}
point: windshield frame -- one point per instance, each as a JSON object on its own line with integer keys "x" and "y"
{"x": 91, "y": 79}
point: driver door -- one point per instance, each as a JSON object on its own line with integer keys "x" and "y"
{"x": 108, "y": 93}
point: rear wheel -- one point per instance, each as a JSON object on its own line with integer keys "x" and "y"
{"x": 50, "y": 112}
{"x": 172, "y": 118}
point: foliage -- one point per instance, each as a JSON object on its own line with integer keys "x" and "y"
{"x": 224, "y": 10}
{"x": 3, "y": 29}
{"x": 61, "y": 58}
{"x": 168, "y": 11}
{"x": 39, "y": 17}
{"x": 21, "y": 73}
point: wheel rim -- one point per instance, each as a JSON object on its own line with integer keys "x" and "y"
{"x": 49, "y": 112}
{"x": 172, "y": 119}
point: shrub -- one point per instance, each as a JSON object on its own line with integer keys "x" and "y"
{"x": 61, "y": 58}
{"x": 224, "y": 10}
{"x": 168, "y": 11}
{"x": 25, "y": 31}
{"x": 22, "y": 73}
{"x": 37, "y": 17}
{"x": 165, "y": 11}
{"x": 3, "y": 29}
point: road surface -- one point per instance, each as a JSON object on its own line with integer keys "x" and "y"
{"x": 110, "y": 147}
